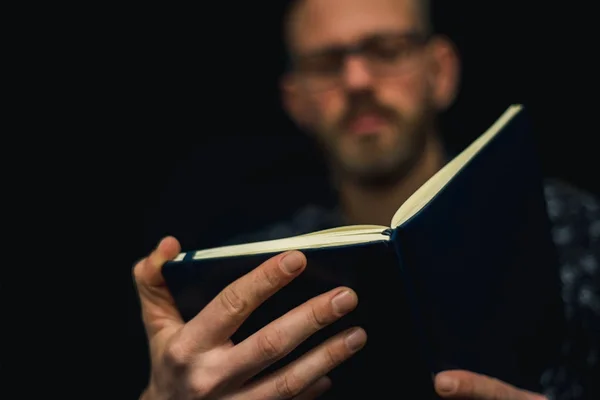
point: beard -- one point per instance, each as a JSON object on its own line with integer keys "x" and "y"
{"x": 382, "y": 158}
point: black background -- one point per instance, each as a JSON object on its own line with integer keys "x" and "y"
{"x": 209, "y": 152}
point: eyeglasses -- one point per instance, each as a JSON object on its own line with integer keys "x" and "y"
{"x": 385, "y": 55}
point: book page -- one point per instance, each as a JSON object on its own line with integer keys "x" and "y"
{"x": 349, "y": 230}
{"x": 344, "y": 235}
{"x": 426, "y": 192}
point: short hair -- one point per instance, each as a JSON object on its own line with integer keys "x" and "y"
{"x": 290, "y": 6}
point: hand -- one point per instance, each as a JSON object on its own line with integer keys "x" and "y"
{"x": 468, "y": 385}
{"x": 197, "y": 360}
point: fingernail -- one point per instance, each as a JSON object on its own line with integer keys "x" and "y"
{"x": 344, "y": 302}
{"x": 292, "y": 262}
{"x": 446, "y": 383}
{"x": 356, "y": 339}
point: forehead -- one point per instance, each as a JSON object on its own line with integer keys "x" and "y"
{"x": 318, "y": 23}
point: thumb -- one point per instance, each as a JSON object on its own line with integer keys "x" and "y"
{"x": 157, "y": 304}
{"x": 458, "y": 384}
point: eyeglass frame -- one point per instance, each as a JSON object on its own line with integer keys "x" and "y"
{"x": 417, "y": 41}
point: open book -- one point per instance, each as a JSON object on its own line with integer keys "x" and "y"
{"x": 465, "y": 276}
{"x": 354, "y": 234}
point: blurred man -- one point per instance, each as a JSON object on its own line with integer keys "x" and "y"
{"x": 368, "y": 78}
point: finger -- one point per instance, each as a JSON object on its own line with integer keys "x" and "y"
{"x": 158, "y": 308}
{"x": 315, "y": 390}
{"x": 216, "y": 323}
{"x": 468, "y": 385}
{"x": 294, "y": 378}
{"x": 281, "y": 336}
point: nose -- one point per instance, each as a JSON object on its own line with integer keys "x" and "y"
{"x": 356, "y": 74}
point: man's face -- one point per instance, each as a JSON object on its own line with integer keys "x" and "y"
{"x": 372, "y": 109}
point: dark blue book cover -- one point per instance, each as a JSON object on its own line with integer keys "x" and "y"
{"x": 465, "y": 276}
{"x": 481, "y": 267}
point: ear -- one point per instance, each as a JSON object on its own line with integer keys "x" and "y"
{"x": 294, "y": 100}
{"x": 446, "y": 71}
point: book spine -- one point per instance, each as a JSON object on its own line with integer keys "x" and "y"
{"x": 413, "y": 304}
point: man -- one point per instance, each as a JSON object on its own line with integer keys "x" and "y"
{"x": 367, "y": 81}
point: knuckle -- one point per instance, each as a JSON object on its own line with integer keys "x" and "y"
{"x": 316, "y": 318}
{"x": 467, "y": 388}
{"x": 498, "y": 390}
{"x": 271, "y": 276}
{"x": 270, "y": 344}
{"x": 483, "y": 386}
{"x": 288, "y": 386}
{"x": 333, "y": 356}
{"x": 136, "y": 270}
{"x": 202, "y": 388}
{"x": 176, "y": 355}
{"x": 232, "y": 302}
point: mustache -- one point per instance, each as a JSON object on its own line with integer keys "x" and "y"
{"x": 365, "y": 104}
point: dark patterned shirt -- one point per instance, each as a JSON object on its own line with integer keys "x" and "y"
{"x": 575, "y": 216}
